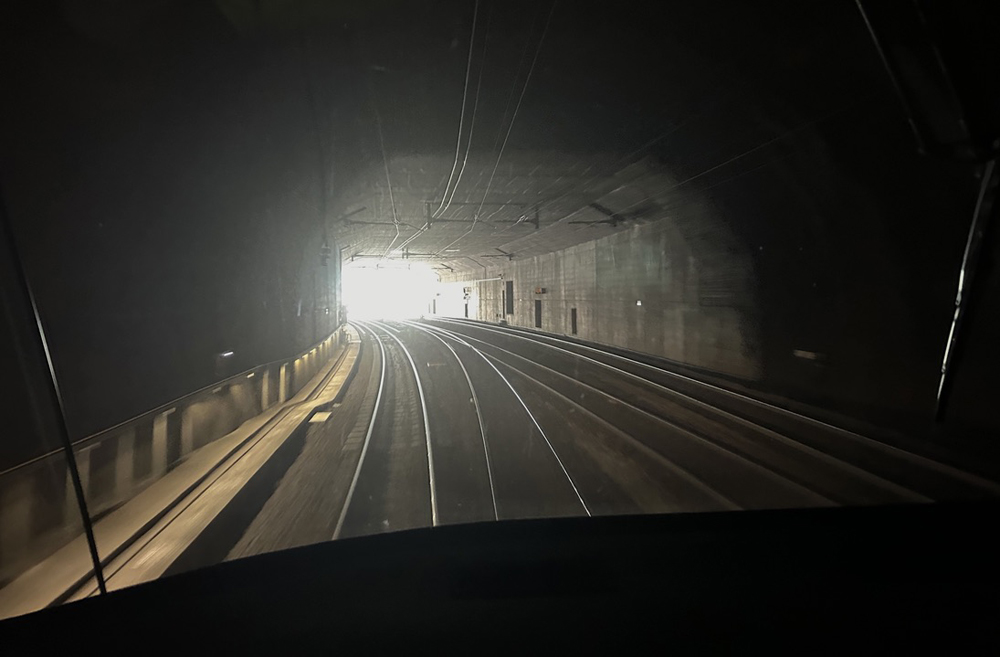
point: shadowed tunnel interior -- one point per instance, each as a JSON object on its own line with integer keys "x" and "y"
{"x": 714, "y": 214}
{"x": 170, "y": 172}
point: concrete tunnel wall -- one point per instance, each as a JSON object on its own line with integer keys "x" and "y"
{"x": 695, "y": 307}
{"x": 162, "y": 223}
{"x": 810, "y": 283}
{"x": 823, "y": 271}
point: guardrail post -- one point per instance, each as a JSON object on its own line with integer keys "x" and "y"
{"x": 265, "y": 389}
{"x": 124, "y": 462}
{"x": 15, "y": 521}
{"x": 283, "y": 383}
{"x": 187, "y": 432}
{"x": 83, "y": 467}
{"x": 159, "y": 446}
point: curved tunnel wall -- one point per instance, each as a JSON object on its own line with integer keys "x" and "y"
{"x": 646, "y": 289}
{"x": 820, "y": 268}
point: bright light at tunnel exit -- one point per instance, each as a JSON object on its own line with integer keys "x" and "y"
{"x": 390, "y": 291}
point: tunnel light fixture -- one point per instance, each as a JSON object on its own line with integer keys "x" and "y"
{"x": 250, "y": 375}
{"x": 226, "y": 354}
{"x": 638, "y": 302}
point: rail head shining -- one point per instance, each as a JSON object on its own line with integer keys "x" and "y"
{"x": 547, "y": 340}
{"x": 541, "y": 431}
{"x": 368, "y": 435}
{"x": 427, "y": 424}
{"x": 479, "y": 414}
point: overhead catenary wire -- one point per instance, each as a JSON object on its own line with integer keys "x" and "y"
{"x": 461, "y": 117}
{"x": 513, "y": 84}
{"x": 510, "y": 127}
{"x": 385, "y": 166}
{"x": 611, "y": 169}
{"x": 738, "y": 157}
{"x": 604, "y": 171}
{"x": 472, "y": 125}
{"x": 510, "y": 93}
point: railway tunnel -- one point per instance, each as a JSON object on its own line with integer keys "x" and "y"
{"x": 311, "y": 274}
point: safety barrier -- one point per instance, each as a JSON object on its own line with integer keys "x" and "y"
{"x": 38, "y": 510}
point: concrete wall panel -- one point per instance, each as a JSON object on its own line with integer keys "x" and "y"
{"x": 643, "y": 289}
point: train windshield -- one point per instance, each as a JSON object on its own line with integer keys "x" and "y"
{"x": 280, "y": 273}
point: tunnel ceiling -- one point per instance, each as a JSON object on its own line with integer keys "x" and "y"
{"x": 532, "y": 204}
{"x": 561, "y": 123}
{"x": 461, "y": 134}
{"x": 577, "y": 123}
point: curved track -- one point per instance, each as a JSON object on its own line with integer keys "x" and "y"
{"x": 456, "y": 421}
{"x": 393, "y": 486}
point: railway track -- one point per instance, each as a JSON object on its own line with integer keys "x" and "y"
{"x": 452, "y": 421}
